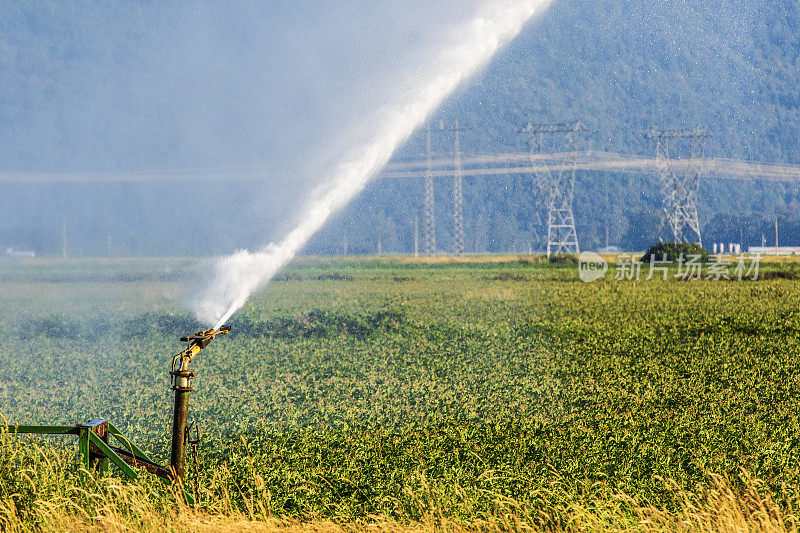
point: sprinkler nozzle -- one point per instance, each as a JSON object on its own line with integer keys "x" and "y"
{"x": 197, "y": 341}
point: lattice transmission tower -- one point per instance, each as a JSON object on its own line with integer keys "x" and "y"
{"x": 458, "y": 195}
{"x": 429, "y": 219}
{"x": 557, "y": 183}
{"x": 680, "y": 187}
{"x": 428, "y": 214}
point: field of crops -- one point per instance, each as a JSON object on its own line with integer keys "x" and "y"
{"x": 392, "y": 388}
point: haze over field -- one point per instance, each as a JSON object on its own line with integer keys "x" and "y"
{"x": 238, "y": 91}
{"x": 273, "y": 94}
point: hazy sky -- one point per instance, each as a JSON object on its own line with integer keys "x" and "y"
{"x": 252, "y": 88}
{"x": 122, "y": 86}
{"x": 277, "y": 90}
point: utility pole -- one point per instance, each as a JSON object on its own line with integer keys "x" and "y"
{"x": 776, "y": 235}
{"x": 680, "y": 190}
{"x": 741, "y": 237}
{"x": 416, "y": 237}
{"x": 559, "y": 184}
{"x": 64, "y": 238}
{"x": 428, "y": 216}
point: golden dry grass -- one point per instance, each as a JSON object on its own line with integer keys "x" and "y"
{"x": 715, "y": 507}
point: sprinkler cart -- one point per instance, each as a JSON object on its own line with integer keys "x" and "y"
{"x": 94, "y": 443}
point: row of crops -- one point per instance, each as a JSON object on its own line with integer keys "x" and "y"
{"x": 354, "y": 388}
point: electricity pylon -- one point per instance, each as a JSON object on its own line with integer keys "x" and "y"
{"x": 428, "y": 218}
{"x": 557, "y": 184}
{"x": 680, "y": 188}
{"x": 459, "y": 236}
{"x": 458, "y": 196}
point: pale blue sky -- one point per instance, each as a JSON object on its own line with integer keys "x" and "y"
{"x": 150, "y": 85}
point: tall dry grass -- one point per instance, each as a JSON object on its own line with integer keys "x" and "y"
{"x": 113, "y": 505}
{"x": 41, "y": 490}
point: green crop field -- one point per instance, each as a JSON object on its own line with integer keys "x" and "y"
{"x": 359, "y": 388}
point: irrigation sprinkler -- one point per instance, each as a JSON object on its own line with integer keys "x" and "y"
{"x": 182, "y": 385}
{"x": 97, "y": 450}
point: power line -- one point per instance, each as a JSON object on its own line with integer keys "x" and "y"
{"x": 714, "y": 168}
{"x": 492, "y": 164}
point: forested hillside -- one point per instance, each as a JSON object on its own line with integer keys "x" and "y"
{"x": 622, "y": 67}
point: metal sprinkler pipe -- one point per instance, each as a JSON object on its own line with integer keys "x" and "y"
{"x": 182, "y": 385}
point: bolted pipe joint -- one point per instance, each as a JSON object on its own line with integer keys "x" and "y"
{"x": 182, "y": 380}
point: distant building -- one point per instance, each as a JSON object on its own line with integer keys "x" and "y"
{"x": 774, "y": 250}
{"x": 610, "y": 250}
{"x": 11, "y": 252}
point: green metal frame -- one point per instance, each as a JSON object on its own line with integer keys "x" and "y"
{"x": 94, "y": 436}
{"x": 95, "y": 433}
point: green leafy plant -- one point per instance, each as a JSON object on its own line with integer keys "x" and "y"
{"x": 673, "y": 252}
